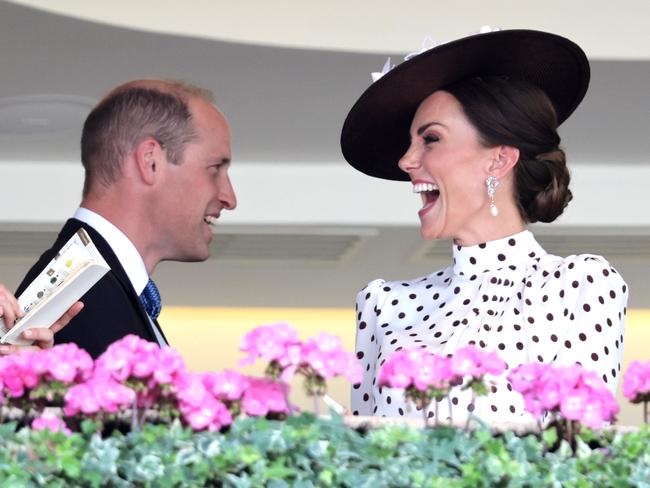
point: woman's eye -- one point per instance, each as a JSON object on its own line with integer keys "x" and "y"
{"x": 429, "y": 138}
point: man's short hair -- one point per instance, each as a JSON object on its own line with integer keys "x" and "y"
{"x": 129, "y": 114}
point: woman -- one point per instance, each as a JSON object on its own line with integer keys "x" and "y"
{"x": 472, "y": 124}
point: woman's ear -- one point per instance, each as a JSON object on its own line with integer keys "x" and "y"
{"x": 504, "y": 161}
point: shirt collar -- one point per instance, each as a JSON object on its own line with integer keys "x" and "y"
{"x": 510, "y": 251}
{"x": 124, "y": 249}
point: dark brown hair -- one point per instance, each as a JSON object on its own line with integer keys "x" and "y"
{"x": 129, "y": 114}
{"x": 518, "y": 114}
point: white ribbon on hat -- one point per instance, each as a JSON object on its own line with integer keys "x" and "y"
{"x": 486, "y": 28}
{"x": 427, "y": 43}
{"x": 378, "y": 74}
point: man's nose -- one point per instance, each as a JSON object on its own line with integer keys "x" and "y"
{"x": 227, "y": 195}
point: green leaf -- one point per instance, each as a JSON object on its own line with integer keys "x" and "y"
{"x": 278, "y": 470}
{"x": 549, "y": 436}
{"x": 90, "y": 426}
{"x": 249, "y": 455}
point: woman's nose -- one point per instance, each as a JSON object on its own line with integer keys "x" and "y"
{"x": 410, "y": 160}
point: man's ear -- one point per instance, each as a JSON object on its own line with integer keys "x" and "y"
{"x": 504, "y": 161}
{"x": 147, "y": 156}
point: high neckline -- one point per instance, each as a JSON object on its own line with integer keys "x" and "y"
{"x": 511, "y": 251}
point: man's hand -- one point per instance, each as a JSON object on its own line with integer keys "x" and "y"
{"x": 43, "y": 337}
{"x": 9, "y": 308}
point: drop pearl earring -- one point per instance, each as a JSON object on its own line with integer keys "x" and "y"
{"x": 491, "y": 183}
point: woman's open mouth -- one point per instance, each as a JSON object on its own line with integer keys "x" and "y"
{"x": 429, "y": 193}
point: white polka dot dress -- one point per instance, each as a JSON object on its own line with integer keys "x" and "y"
{"x": 507, "y": 295}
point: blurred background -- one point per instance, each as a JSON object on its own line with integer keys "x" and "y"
{"x": 309, "y": 231}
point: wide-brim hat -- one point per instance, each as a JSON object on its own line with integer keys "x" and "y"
{"x": 375, "y": 134}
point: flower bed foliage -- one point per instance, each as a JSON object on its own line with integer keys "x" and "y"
{"x": 137, "y": 417}
{"x": 305, "y": 451}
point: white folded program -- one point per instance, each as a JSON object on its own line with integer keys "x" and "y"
{"x": 65, "y": 279}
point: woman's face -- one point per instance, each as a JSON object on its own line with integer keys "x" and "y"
{"x": 448, "y": 167}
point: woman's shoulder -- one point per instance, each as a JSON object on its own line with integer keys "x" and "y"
{"x": 579, "y": 264}
{"x": 578, "y": 270}
{"x": 373, "y": 287}
{"x": 380, "y": 286}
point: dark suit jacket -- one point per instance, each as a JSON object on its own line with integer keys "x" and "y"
{"x": 112, "y": 309}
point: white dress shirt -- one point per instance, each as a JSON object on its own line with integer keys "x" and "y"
{"x": 126, "y": 253}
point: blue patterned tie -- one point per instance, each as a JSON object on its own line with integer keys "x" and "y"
{"x": 150, "y": 298}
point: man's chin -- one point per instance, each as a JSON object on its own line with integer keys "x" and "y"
{"x": 195, "y": 256}
{"x": 204, "y": 256}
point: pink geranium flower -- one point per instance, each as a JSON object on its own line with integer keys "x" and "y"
{"x": 420, "y": 369}
{"x": 636, "y": 382}
{"x": 199, "y": 406}
{"x": 48, "y": 420}
{"x": 575, "y": 393}
{"x": 102, "y": 394}
{"x": 413, "y": 368}
{"x": 210, "y": 414}
{"x": 317, "y": 359}
{"x": 572, "y": 404}
{"x": 263, "y": 396}
{"x": 136, "y": 358}
{"x": 435, "y": 371}
{"x": 81, "y": 399}
{"x": 21, "y": 374}
{"x": 475, "y": 362}
{"x": 190, "y": 388}
{"x": 117, "y": 360}
{"x": 525, "y": 377}
{"x": 227, "y": 385}
{"x": 169, "y": 364}
{"x": 326, "y": 356}
{"x": 270, "y": 342}
{"x": 146, "y": 367}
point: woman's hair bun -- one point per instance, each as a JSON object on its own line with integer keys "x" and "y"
{"x": 515, "y": 113}
{"x": 543, "y": 186}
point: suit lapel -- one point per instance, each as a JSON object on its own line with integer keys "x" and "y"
{"x": 71, "y": 226}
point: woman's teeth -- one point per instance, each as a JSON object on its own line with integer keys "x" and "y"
{"x": 428, "y": 191}
{"x": 421, "y": 187}
{"x": 210, "y": 220}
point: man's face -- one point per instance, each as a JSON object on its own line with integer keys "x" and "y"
{"x": 198, "y": 189}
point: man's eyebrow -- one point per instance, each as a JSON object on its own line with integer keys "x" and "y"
{"x": 427, "y": 125}
{"x": 220, "y": 160}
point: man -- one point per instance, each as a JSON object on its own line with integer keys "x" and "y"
{"x": 156, "y": 156}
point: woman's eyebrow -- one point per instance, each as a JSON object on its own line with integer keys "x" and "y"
{"x": 427, "y": 125}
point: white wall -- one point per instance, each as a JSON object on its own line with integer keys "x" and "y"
{"x": 325, "y": 193}
{"x": 609, "y": 30}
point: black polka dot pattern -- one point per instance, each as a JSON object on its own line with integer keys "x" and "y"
{"x": 507, "y": 295}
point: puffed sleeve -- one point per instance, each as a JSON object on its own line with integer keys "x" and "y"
{"x": 595, "y": 306}
{"x": 362, "y": 400}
